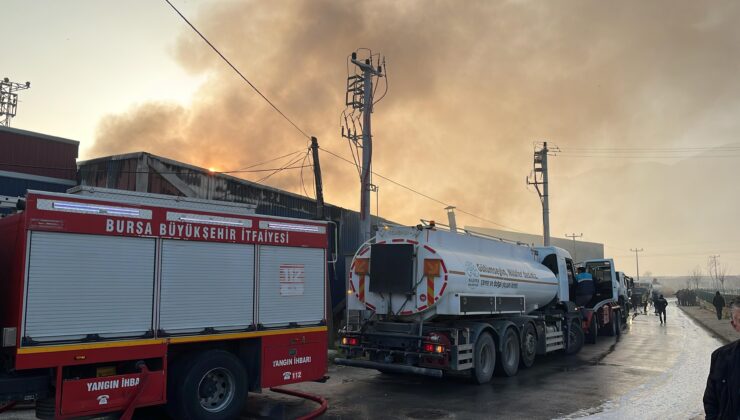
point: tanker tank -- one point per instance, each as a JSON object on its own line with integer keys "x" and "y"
{"x": 424, "y": 272}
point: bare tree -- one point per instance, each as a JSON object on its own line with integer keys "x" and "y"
{"x": 695, "y": 276}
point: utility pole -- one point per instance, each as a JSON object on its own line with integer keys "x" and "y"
{"x": 540, "y": 167}
{"x": 574, "y": 236}
{"x": 360, "y": 88}
{"x": 713, "y": 265}
{"x": 637, "y": 261}
{"x": 317, "y": 179}
{"x": 9, "y": 99}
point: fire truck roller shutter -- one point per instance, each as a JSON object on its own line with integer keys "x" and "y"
{"x": 206, "y": 285}
{"x": 291, "y": 286}
{"x": 79, "y": 285}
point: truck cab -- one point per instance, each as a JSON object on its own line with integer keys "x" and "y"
{"x": 561, "y": 264}
{"x": 606, "y": 282}
{"x": 605, "y": 313}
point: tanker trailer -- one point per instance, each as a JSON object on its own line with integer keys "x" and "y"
{"x": 428, "y": 301}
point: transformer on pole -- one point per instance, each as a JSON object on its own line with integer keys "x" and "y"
{"x": 360, "y": 98}
{"x": 539, "y": 177}
{"x": 9, "y": 99}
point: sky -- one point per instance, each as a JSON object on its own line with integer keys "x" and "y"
{"x": 638, "y": 99}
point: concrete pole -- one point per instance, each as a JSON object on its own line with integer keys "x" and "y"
{"x": 368, "y": 72}
{"x": 545, "y": 197}
{"x": 317, "y": 179}
{"x": 367, "y": 153}
{"x": 637, "y": 261}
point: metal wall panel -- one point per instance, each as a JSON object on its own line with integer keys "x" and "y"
{"x": 37, "y": 154}
{"x": 88, "y": 284}
{"x": 291, "y": 285}
{"x": 206, "y": 285}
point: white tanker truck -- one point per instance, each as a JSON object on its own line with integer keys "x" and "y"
{"x": 429, "y": 301}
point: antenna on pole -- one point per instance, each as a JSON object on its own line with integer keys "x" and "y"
{"x": 574, "y": 236}
{"x": 359, "y": 98}
{"x": 9, "y": 99}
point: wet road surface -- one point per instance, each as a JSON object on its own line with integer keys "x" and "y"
{"x": 652, "y": 371}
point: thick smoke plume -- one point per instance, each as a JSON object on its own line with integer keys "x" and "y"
{"x": 471, "y": 86}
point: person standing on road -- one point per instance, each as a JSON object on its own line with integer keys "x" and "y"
{"x": 584, "y": 287}
{"x": 660, "y": 305}
{"x": 721, "y": 396}
{"x": 644, "y": 303}
{"x": 719, "y": 304}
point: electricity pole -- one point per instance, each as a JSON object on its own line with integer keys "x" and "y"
{"x": 9, "y": 99}
{"x": 574, "y": 236}
{"x": 637, "y": 261}
{"x": 540, "y": 167}
{"x": 317, "y": 179}
{"x": 361, "y": 88}
{"x": 713, "y": 265}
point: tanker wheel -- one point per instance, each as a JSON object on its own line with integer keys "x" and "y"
{"x": 508, "y": 362}
{"x": 529, "y": 346}
{"x": 618, "y": 324}
{"x": 211, "y": 385}
{"x": 484, "y": 358}
{"x": 593, "y": 330}
{"x": 611, "y": 329}
{"x": 575, "y": 337}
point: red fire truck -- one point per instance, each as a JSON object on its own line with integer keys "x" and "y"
{"x": 114, "y": 301}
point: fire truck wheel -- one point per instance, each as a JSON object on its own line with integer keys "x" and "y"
{"x": 508, "y": 362}
{"x": 208, "y": 386}
{"x": 593, "y": 330}
{"x": 484, "y": 358}
{"x": 529, "y": 346}
{"x": 575, "y": 337}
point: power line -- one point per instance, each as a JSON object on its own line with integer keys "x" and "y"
{"x": 286, "y": 166}
{"x": 237, "y": 70}
{"x": 424, "y": 195}
{"x": 87, "y": 169}
{"x": 652, "y": 149}
{"x": 266, "y": 161}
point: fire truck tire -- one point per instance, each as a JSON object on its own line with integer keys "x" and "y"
{"x": 484, "y": 358}
{"x": 529, "y": 346}
{"x": 508, "y": 360}
{"x": 211, "y": 385}
{"x": 593, "y": 330}
{"x": 45, "y": 408}
{"x": 575, "y": 337}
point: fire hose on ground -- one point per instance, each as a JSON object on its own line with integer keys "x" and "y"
{"x": 323, "y": 404}
{"x": 6, "y": 406}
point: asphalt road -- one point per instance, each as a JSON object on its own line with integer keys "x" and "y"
{"x": 651, "y": 371}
